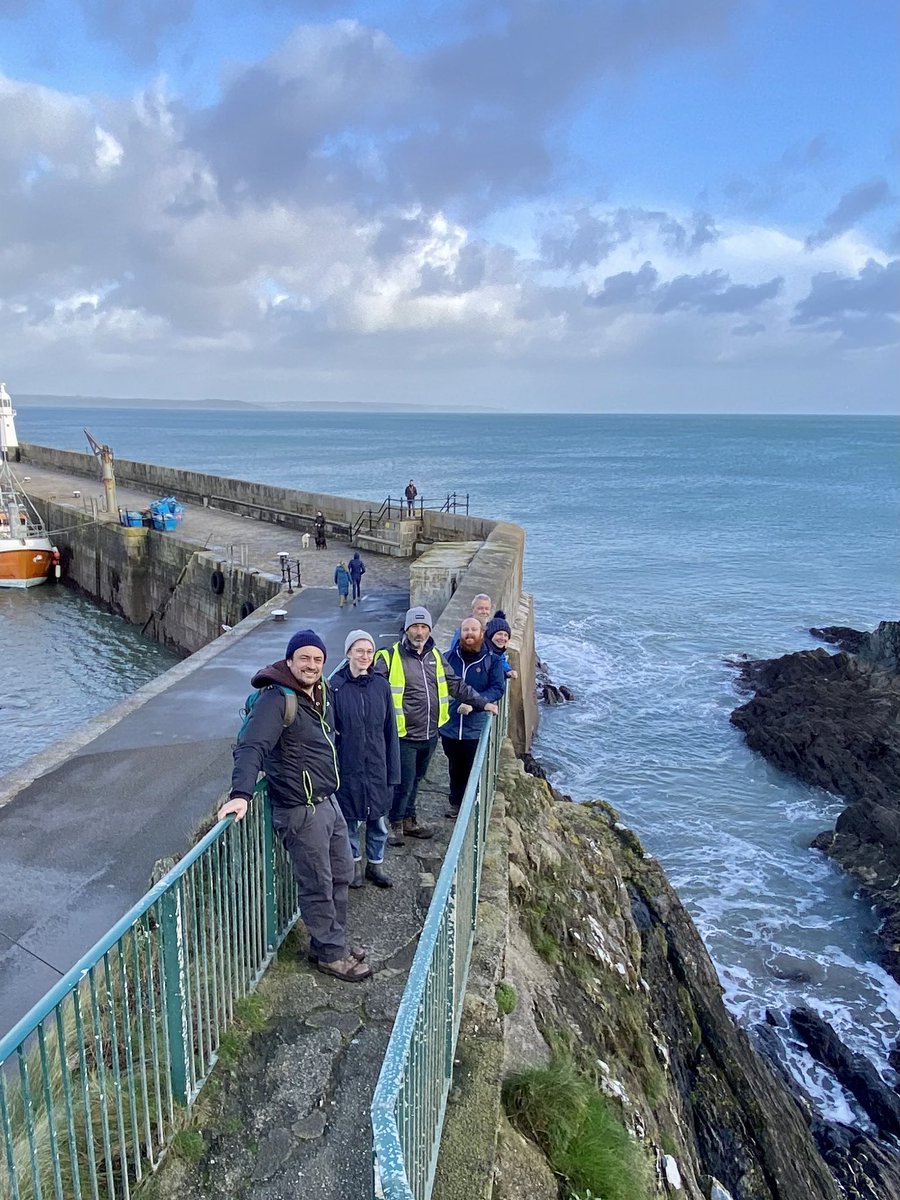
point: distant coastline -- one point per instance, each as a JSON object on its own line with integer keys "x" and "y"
{"x": 40, "y": 400}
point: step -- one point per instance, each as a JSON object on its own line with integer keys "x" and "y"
{"x": 376, "y": 545}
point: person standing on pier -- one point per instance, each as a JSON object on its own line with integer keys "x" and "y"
{"x": 481, "y": 608}
{"x": 300, "y": 761}
{"x": 368, "y": 754}
{"x": 421, "y": 684}
{"x": 357, "y": 569}
{"x": 319, "y": 524}
{"x": 477, "y": 666}
{"x": 411, "y": 492}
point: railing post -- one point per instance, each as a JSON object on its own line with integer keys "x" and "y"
{"x": 174, "y": 966}
{"x": 271, "y": 915}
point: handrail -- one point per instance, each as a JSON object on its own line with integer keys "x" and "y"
{"x": 92, "y": 1078}
{"x": 10, "y": 1041}
{"x": 427, "y": 1023}
{"x": 452, "y": 502}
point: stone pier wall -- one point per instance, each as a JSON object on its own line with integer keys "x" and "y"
{"x": 154, "y": 580}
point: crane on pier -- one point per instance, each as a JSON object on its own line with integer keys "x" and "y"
{"x": 107, "y": 473}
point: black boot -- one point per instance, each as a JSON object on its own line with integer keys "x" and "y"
{"x": 357, "y": 880}
{"x": 375, "y": 873}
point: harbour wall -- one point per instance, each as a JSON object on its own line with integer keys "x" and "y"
{"x": 177, "y": 594}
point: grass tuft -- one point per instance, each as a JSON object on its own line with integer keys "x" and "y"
{"x": 189, "y": 1145}
{"x": 586, "y": 1144}
{"x": 505, "y": 995}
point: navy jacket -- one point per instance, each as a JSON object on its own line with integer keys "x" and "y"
{"x": 356, "y": 567}
{"x": 483, "y": 672}
{"x": 300, "y": 762}
{"x": 368, "y": 747}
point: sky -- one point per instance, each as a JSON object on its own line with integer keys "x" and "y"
{"x": 585, "y": 205}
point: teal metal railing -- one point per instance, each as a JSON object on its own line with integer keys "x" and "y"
{"x": 411, "y": 1093}
{"x": 92, "y": 1079}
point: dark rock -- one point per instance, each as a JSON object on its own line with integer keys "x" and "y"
{"x": 566, "y": 693}
{"x": 854, "y": 1071}
{"x": 834, "y": 722}
{"x": 849, "y": 640}
{"x": 532, "y": 766}
{"x": 776, "y": 1018}
{"x": 865, "y": 1169}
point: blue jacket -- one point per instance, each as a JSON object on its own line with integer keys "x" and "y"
{"x": 484, "y": 673}
{"x": 342, "y": 579}
{"x": 357, "y": 568}
{"x": 367, "y": 744}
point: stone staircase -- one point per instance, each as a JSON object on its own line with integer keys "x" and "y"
{"x": 396, "y": 537}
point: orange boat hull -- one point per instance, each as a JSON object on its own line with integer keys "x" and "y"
{"x": 24, "y": 566}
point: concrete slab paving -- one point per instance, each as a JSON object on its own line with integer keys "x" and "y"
{"x": 78, "y": 843}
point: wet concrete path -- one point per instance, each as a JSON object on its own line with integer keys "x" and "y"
{"x": 78, "y": 843}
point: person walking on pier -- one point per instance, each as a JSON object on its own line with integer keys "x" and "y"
{"x": 368, "y": 754}
{"x": 410, "y": 493}
{"x": 301, "y": 766}
{"x": 357, "y": 569}
{"x": 477, "y": 666}
{"x": 342, "y": 579}
{"x": 421, "y": 685}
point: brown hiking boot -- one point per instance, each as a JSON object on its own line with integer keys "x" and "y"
{"x": 412, "y": 828}
{"x": 396, "y": 837}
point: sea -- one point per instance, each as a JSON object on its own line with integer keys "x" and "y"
{"x": 658, "y": 549}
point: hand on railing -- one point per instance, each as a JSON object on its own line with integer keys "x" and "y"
{"x": 236, "y": 807}
{"x": 492, "y": 708}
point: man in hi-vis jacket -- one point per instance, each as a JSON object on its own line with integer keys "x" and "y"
{"x": 421, "y": 686}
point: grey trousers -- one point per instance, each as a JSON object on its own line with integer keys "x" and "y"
{"x": 319, "y": 848}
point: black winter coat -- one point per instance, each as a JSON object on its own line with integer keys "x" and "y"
{"x": 300, "y": 762}
{"x": 368, "y": 748}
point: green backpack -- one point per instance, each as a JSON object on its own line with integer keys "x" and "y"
{"x": 290, "y": 707}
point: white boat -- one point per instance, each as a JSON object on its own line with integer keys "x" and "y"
{"x": 26, "y": 552}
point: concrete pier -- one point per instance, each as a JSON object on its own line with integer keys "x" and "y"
{"x": 79, "y": 842}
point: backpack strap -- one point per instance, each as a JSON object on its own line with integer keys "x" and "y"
{"x": 290, "y": 705}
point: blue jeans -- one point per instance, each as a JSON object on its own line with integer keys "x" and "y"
{"x": 354, "y": 583}
{"x": 376, "y": 839}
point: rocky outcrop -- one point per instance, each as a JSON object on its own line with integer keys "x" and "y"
{"x": 605, "y": 960}
{"x": 855, "y": 1072}
{"x": 833, "y": 720}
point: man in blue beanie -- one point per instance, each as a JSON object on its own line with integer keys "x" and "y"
{"x": 289, "y": 734}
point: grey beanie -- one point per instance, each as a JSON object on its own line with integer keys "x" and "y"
{"x": 418, "y": 616}
{"x": 357, "y": 635}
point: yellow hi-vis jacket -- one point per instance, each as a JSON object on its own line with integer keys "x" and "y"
{"x": 398, "y": 683}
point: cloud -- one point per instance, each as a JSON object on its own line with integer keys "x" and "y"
{"x": 680, "y": 240}
{"x": 749, "y": 329}
{"x": 136, "y": 27}
{"x": 469, "y": 123}
{"x": 861, "y": 309}
{"x": 626, "y": 287}
{"x": 713, "y": 292}
{"x": 861, "y": 200}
